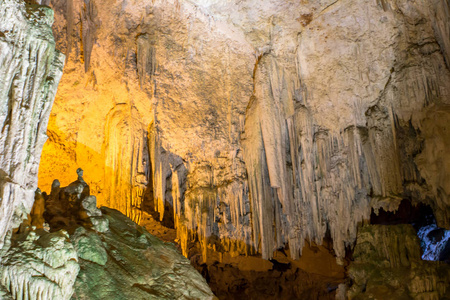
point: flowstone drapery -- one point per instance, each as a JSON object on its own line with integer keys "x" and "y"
{"x": 31, "y": 69}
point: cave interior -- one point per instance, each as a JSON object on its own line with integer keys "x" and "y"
{"x": 208, "y": 149}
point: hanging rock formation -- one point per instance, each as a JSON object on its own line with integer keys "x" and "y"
{"x": 126, "y": 158}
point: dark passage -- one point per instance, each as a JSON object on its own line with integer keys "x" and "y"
{"x": 434, "y": 241}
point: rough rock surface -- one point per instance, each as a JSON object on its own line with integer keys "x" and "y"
{"x": 39, "y": 265}
{"x": 387, "y": 265}
{"x": 30, "y": 69}
{"x": 315, "y": 275}
{"x": 253, "y": 125}
{"x": 435, "y": 243}
{"x": 92, "y": 254}
{"x": 127, "y": 262}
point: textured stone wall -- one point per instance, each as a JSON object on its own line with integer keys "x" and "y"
{"x": 30, "y": 69}
{"x": 267, "y": 123}
{"x": 383, "y": 252}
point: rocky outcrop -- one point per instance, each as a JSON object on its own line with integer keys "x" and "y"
{"x": 387, "y": 264}
{"x": 435, "y": 243}
{"x": 82, "y": 252}
{"x": 31, "y": 69}
{"x": 39, "y": 265}
{"x": 128, "y": 263}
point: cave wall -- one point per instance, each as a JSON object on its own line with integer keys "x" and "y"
{"x": 266, "y": 123}
{"x": 30, "y": 69}
{"x": 399, "y": 258}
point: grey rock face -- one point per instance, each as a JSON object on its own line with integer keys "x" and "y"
{"x": 30, "y": 69}
{"x": 89, "y": 246}
{"x": 106, "y": 255}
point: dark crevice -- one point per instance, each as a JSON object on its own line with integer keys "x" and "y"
{"x": 419, "y": 215}
{"x": 434, "y": 241}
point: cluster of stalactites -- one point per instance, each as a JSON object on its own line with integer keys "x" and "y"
{"x": 303, "y": 180}
{"x": 302, "y": 177}
{"x": 306, "y": 178}
{"x": 217, "y": 214}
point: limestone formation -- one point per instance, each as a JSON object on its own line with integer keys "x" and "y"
{"x": 251, "y": 127}
{"x": 435, "y": 243}
{"x": 36, "y": 216}
{"x": 256, "y": 125}
{"x": 387, "y": 265}
{"x": 128, "y": 263}
{"x": 39, "y": 265}
{"x": 30, "y": 69}
{"x": 92, "y": 254}
{"x": 71, "y": 206}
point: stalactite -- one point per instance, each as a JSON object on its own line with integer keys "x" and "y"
{"x": 160, "y": 168}
{"x": 441, "y": 25}
{"x": 146, "y": 58}
{"x": 260, "y": 189}
{"x": 89, "y": 25}
{"x": 69, "y": 13}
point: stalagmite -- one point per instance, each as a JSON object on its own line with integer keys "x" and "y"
{"x": 92, "y": 253}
